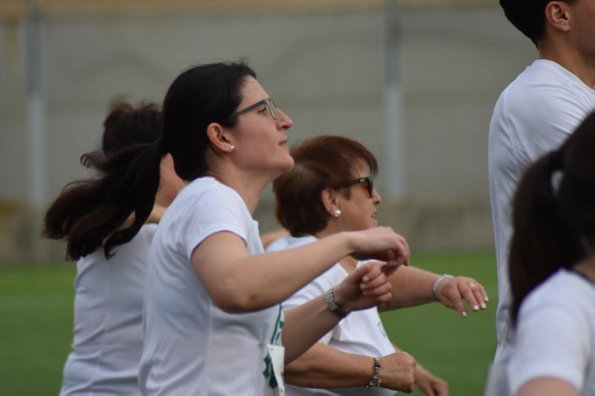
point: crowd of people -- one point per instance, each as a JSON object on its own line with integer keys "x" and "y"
{"x": 177, "y": 295}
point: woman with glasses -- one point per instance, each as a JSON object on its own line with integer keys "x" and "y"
{"x": 329, "y": 191}
{"x": 212, "y": 319}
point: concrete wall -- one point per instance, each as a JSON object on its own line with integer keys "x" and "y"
{"x": 325, "y": 68}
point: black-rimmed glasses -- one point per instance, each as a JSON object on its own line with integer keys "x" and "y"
{"x": 366, "y": 181}
{"x": 269, "y": 104}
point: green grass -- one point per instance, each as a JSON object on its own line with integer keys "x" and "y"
{"x": 36, "y": 327}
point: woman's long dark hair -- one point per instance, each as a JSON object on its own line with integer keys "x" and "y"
{"x": 553, "y": 213}
{"x": 91, "y": 213}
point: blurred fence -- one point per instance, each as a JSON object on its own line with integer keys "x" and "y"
{"x": 414, "y": 80}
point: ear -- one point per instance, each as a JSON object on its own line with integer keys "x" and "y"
{"x": 219, "y": 138}
{"x": 330, "y": 200}
{"x": 558, "y": 15}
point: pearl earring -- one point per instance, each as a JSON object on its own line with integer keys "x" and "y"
{"x": 337, "y": 213}
{"x": 232, "y": 147}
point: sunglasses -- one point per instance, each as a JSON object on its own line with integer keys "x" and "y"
{"x": 268, "y": 103}
{"x": 366, "y": 181}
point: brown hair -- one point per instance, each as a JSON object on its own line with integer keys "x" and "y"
{"x": 320, "y": 162}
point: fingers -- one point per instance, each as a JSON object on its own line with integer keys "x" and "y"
{"x": 375, "y": 283}
{"x": 459, "y": 306}
{"x": 480, "y": 293}
{"x": 457, "y": 291}
{"x": 400, "y": 254}
{"x": 370, "y": 271}
{"x": 474, "y": 293}
{"x": 381, "y": 243}
{"x": 365, "y": 287}
{"x": 406, "y": 250}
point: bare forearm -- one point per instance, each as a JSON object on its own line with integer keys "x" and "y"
{"x": 324, "y": 367}
{"x": 411, "y": 287}
{"x": 253, "y": 282}
{"x": 305, "y": 325}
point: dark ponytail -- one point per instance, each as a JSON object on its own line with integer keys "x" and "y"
{"x": 89, "y": 212}
{"x": 553, "y": 213}
{"x": 92, "y": 213}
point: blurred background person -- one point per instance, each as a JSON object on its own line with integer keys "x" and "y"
{"x": 330, "y": 190}
{"x": 552, "y": 272}
{"x": 109, "y": 289}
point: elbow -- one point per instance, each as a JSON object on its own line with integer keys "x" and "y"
{"x": 235, "y": 300}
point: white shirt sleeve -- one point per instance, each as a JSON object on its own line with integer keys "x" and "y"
{"x": 551, "y": 341}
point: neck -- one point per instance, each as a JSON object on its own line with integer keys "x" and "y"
{"x": 565, "y": 55}
{"x": 331, "y": 228}
{"x": 247, "y": 186}
{"x": 348, "y": 263}
{"x": 587, "y": 267}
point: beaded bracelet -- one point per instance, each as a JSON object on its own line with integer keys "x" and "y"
{"x": 375, "y": 380}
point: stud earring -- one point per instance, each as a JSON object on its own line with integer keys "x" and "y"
{"x": 337, "y": 213}
{"x": 232, "y": 147}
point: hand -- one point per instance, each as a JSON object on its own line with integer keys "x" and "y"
{"x": 453, "y": 292}
{"x": 381, "y": 243}
{"x": 428, "y": 383}
{"x": 364, "y": 288}
{"x": 397, "y": 371}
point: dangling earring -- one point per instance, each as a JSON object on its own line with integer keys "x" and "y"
{"x": 232, "y": 147}
{"x": 337, "y": 213}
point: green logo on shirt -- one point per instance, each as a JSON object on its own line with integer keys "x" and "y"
{"x": 275, "y": 340}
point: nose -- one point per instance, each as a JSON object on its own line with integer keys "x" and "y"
{"x": 376, "y": 196}
{"x": 283, "y": 120}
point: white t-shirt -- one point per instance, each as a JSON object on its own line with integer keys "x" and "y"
{"x": 191, "y": 346}
{"x": 107, "y": 320}
{"x": 555, "y": 335}
{"x": 533, "y": 116}
{"x": 361, "y": 332}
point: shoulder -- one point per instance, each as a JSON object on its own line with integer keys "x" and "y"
{"x": 554, "y": 334}
{"x": 206, "y": 196}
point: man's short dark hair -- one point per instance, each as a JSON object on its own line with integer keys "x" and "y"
{"x": 528, "y": 16}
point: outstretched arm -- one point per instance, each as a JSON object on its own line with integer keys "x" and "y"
{"x": 239, "y": 282}
{"x": 413, "y": 286}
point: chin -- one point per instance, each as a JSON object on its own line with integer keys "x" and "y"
{"x": 288, "y": 165}
{"x": 285, "y": 167}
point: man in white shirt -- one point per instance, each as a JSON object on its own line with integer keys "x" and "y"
{"x": 536, "y": 112}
